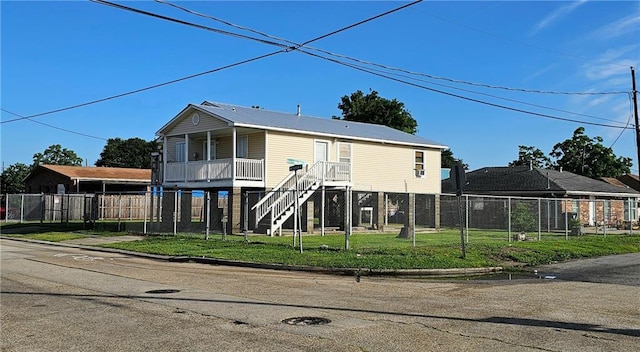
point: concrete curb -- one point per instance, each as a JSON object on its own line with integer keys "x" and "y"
{"x": 451, "y": 272}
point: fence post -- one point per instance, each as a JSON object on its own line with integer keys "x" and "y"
{"x": 21, "y": 209}
{"x": 119, "y": 209}
{"x": 207, "y": 206}
{"x": 630, "y": 217}
{"x": 42, "y": 207}
{"x": 539, "y": 219}
{"x": 144, "y": 214}
{"x": 509, "y": 222}
{"x": 175, "y": 213}
{"x": 566, "y": 220}
{"x": 467, "y": 216}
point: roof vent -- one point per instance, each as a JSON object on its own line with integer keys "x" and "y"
{"x": 233, "y": 108}
{"x": 298, "y": 110}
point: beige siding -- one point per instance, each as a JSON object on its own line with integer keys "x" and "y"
{"x": 207, "y": 123}
{"x": 225, "y": 147}
{"x": 390, "y": 168}
{"x": 171, "y": 147}
{"x": 283, "y": 146}
{"x": 256, "y": 146}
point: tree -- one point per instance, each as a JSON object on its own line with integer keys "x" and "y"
{"x": 56, "y": 155}
{"x": 13, "y": 177}
{"x": 448, "y": 160}
{"x": 372, "y": 108}
{"x": 531, "y": 155}
{"x": 588, "y": 157}
{"x": 132, "y": 153}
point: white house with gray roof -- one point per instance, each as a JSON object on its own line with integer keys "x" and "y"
{"x": 221, "y": 147}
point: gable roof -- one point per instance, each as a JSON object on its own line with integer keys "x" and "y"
{"x": 521, "y": 180}
{"x": 238, "y": 116}
{"x": 114, "y": 174}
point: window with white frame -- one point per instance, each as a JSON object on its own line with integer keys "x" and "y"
{"x": 242, "y": 147}
{"x": 344, "y": 152}
{"x": 419, "y": 166}
{"x": 180, "y": 149}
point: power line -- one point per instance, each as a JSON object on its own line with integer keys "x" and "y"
{"x": 523, "y": 90}
{"x": 460, "y": 96}
{"x": 286, "y": 49}
{"x": 148, "y": 87}
{"x": 435, "y": 90}
{"x": 492, "y": 95}
{"x": 55, "y": 127}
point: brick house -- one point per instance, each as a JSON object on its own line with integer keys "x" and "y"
{"x": 593, "y": 202}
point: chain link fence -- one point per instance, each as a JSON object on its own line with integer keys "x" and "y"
{"x": 322, "y": 212}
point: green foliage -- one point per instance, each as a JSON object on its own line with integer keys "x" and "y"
{"x": 131, "y": 153}
{"x": 531, "y": 155}
{"x": 587, "y": 156}
{"x": 522, "y": 219}
{"x": 372, "y": 108}
{"x": 12, "y": 178}
{"x": 56, "y": 155}
{"x": 448, "y": 160}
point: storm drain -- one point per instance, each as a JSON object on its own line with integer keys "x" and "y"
{"x": 170, "y": 290}
{"x": 306, "y": 321}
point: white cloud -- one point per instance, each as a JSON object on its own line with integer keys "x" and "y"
{"x": 556, "y": 15}
{"x": 620, "y": 27}
{"x": 606, "y": 70}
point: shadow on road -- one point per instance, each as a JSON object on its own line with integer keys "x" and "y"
{"x": 492, "y": 320}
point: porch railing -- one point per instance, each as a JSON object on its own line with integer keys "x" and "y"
{"x": 214, "y": 170}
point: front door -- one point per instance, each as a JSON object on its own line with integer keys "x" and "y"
{"x": 322, "y": 151}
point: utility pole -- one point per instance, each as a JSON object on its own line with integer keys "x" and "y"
{"x": 634, "y": 97}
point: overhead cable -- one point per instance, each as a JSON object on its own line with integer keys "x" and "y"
{"x": 484, "y": 85}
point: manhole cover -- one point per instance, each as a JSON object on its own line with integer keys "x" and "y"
{"x": 163, "y": 291}
{"x": 306, "y": 321}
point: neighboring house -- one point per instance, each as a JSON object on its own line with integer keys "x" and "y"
{"x": 225, "y": 148}
{"x": 630, "y": 181}
{"x": 78, "y": 179}
{"x": 588, "y": 197}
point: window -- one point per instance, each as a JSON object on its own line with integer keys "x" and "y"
{"x": 180, "y": 149}
{"x": 242, "y": 147}
{"x": 344, "y": 153}
{"x": 419, "y": 163}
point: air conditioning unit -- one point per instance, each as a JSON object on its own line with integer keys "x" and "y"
{"x": 419, "y": 172}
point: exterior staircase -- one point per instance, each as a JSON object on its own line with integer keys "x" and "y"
{"x": 275, "y": 208}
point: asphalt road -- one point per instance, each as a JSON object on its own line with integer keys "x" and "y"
{"x": 67, "y": 299}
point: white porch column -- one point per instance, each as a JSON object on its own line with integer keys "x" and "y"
{"x": 208, "y": 159}
{"x": 208, "y": 145}
{"x": 186, "y": 155}
{"x": 235, "y": 149}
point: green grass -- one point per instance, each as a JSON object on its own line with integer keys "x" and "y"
{"x": 376, "y": 251}
{"x": 51, "y": 236}
{"x": 385, "y": 251}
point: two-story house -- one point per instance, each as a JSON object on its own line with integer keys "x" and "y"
{"x": 225, "y": 148}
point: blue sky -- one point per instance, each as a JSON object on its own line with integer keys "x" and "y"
{"x": 60, "y": 54}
